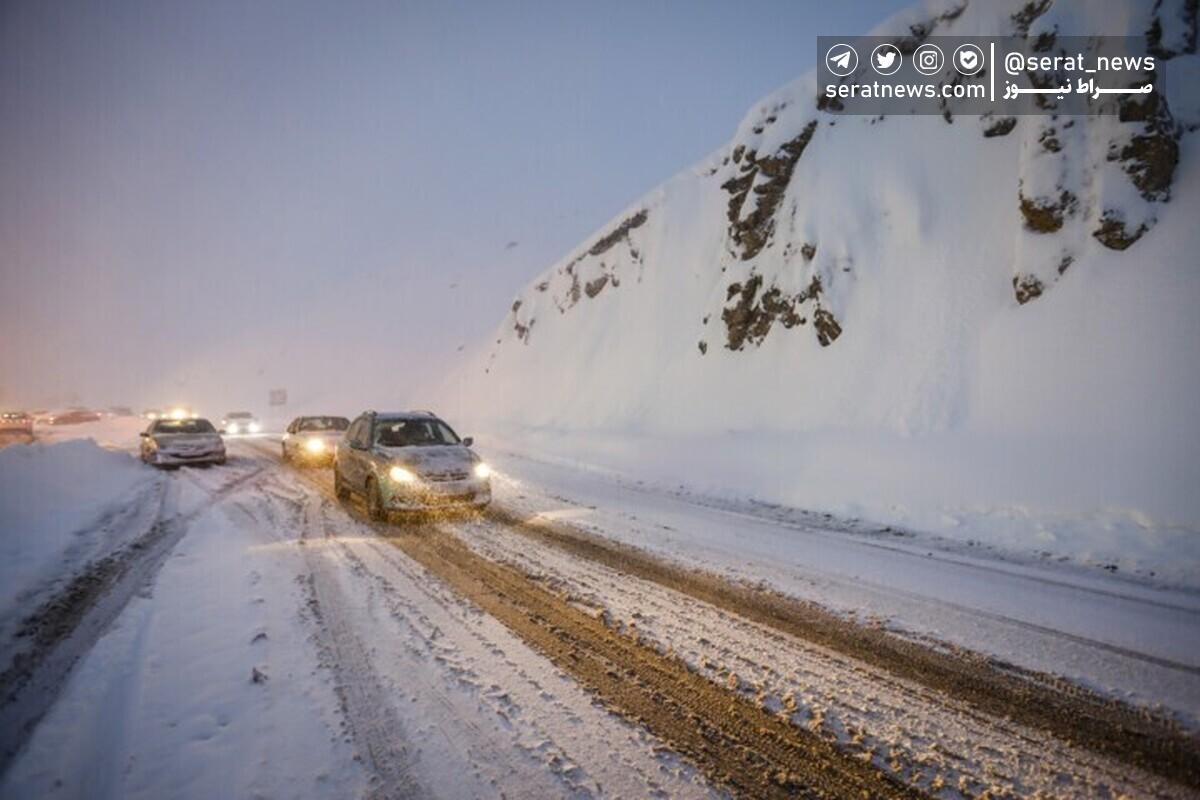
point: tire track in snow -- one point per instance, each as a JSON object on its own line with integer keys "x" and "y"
{"x": 471, "y": 695}
{"x": 919, "y": 734}
{"x": 1068, "y": 711}
{"x": 377, "y": 731}
{"x": 730, "y": 739}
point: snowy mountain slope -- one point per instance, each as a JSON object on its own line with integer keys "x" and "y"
{"x": 925, "y": 319}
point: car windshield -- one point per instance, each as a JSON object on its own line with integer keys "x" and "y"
{"x": 324, "y": 424}
{"x": 183, "y": 426}
{"x": 413, "y": 433}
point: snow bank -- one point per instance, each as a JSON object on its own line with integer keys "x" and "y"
{"x": 886, "y": 317}
{"x": 51, "y": 496}
{"x": 166, "y": 704}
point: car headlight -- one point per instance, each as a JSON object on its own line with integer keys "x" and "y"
{"x": 482, "y": 470}
{"x": 314, "y": 445}
{"x": 401, "y": 475}
{"x": 231, "y": 428}
{"x": 254, "y": 427}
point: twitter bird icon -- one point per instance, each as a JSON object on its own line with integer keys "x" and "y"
{"x": 886, "y": 59}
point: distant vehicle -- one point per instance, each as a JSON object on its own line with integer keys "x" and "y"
{"x": 179, "y": 412}
{"x": 120, "y": 411}
{"x": 410, "y": 461}
{"x": 313, "y": 439}
{"x": 74, "y": 417}
{"x": 153, "y": 414}
{"x": 16, "y": 422}
{"x": 238, "y": 422}
{"x": 172, "y": 442}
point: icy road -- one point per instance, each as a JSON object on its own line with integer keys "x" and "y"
{"x": 245, "y": 635}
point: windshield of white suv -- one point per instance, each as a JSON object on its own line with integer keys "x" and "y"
{"x": 324, "y": 424}
{"x": 413, "y": 433}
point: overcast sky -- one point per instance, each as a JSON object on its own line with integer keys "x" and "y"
{"x": 332, "y": 188}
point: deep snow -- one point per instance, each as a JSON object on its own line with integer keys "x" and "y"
{"x": 54, "y": 502}
{"x": 165, "y": 705}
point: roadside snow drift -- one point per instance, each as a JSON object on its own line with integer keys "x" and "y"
{"x": 52, "y": 501}
{"x": 979, "y": 327}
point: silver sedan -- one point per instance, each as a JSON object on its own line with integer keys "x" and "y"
{"x": 173, "y": 442}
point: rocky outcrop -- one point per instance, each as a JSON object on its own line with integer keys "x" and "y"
{"x": 751, "y": 315}
{"x": 1046, "y": 215}
{"x": 765, "y": 178}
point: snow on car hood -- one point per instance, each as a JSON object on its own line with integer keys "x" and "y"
{"x": 432, "y": 459}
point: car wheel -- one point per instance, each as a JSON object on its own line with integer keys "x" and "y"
{"x": 339, "y": 487}
{"x": 375, "y": 509}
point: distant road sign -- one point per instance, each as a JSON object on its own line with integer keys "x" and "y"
{"x": 277, "y": 397}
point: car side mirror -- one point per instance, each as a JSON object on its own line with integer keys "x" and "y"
{"x": 468, "y": 441}
{"x": 143, "y": 434}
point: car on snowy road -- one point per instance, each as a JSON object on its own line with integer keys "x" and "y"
{"x": 237, "y": 423}
{"x": 16, "y": 422}
{"x": 15, "y": 427}
{"x": 313, "y": 439}
{"x": 74, "y": 416}
{"x": 409, "y": 461}
{"x": 173, "y": 442}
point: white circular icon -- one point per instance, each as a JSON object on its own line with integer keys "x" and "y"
{"x": 928, "y": 59}
{"x": 968, "y": 59}
{"x": 886, "y": 59}
{"x": 841, "y": 60}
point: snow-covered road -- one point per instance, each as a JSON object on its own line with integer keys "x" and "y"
{"x": 1121, "y": 636}
{"x": 279, "y": 644}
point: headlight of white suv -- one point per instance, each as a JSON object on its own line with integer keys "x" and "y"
{"x": 483, "y": 471}
{"x": 401, "y": 475}
{"x": 231, "y": 428}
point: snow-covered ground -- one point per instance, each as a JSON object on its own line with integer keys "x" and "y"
{"x": 166, "y": 704}
{"x": 1127, "y": 638}
{"x": 268, "y": 661}
{"x": 285, "y": 649}
{"x": 63, "y": 505}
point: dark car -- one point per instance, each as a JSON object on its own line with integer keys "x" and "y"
{"x": 75, "y": 416}
{"x": 173, "y": 442}
{"x": 313, "y": 439}
{"x": 409, "y": 461}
